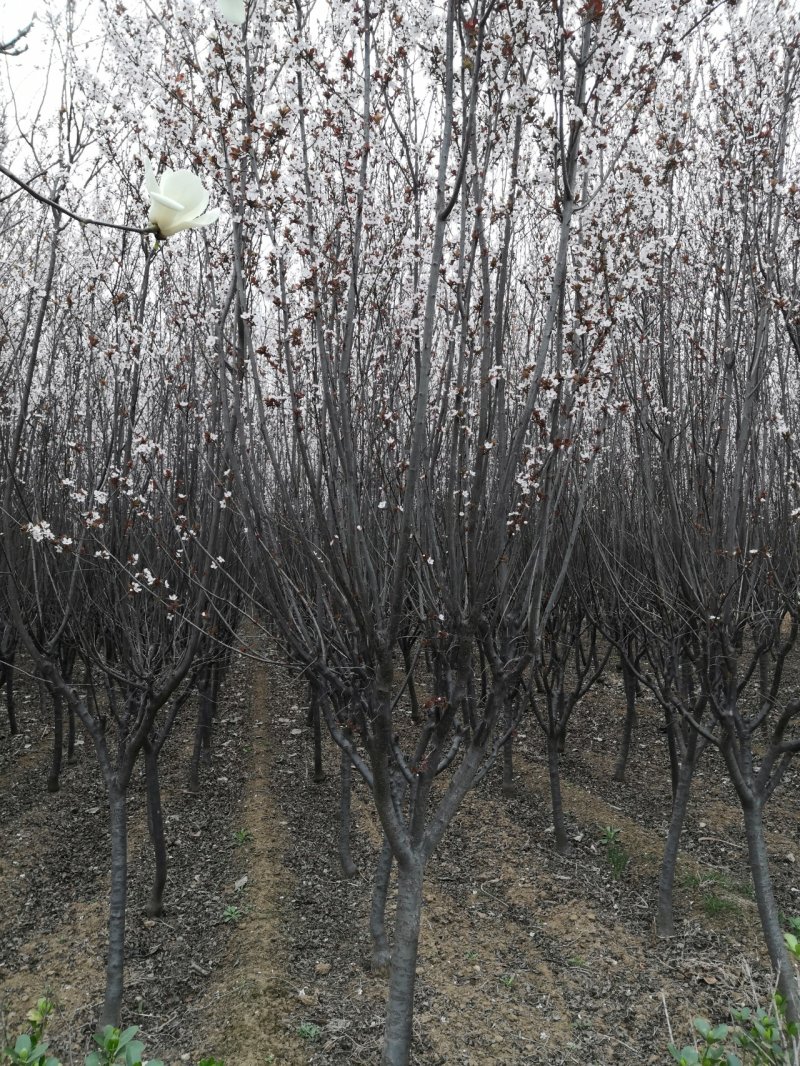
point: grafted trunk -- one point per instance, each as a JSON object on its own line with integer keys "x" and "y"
{"x": 155, "y": 825}
{"x": 115, "y": 962}
{"x": 400, "y": 1008}
{"x": 629, "y": 683}
{"x": 54, "y": 775}
{"x": 768, "y": 909}
{"x": 377, "y": 917}
{"x": 349, "y": 868}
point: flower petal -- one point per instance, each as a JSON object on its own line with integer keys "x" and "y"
{"x": 159, "y": 198}
{"x": 185, "y": 188}
{"x": 208, "y": 219}
{"x": 150, "y": 182}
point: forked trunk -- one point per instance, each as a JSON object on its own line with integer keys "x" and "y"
{"x": 400, "y": 1008}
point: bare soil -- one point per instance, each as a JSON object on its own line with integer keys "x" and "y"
{"x": 525, "y": 958}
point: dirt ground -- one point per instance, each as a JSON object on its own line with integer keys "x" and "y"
{"x": 262, "y": 954}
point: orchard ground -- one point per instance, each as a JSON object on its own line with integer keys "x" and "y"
{"x": 262, "y": 955}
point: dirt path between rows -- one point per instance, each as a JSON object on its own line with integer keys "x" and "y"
{"x": 246, "y": 1013}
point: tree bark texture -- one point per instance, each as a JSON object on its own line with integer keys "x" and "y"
{"x": 53, "y": 778}
{"x": 665, "y": 918}
{"x": 349, "y": 868}
{"x": 400, "y": 1007}
{"x": 115, "y": 963}
{"x": 554, "y": 771}
{"x": 155, "y": 825}
{"x": 377, "y": 917}
{"x": 768, "y": 910}
{"x": 629, "y": 683}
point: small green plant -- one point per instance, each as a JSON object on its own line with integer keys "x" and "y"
{"x": 508, "y": 979}
{"x": 25, "y": 1050}
{"x": 793, "y": 925}
{"x": 242, "y": 836}
{"x": 759, "y": 1037}
{"x": 716, "y": 906}
{"x": 118, "y": 1048}
{"x": 232, "y": 914}
{"x": 38, "y": 1017}
{"x": 309, "y": 1031}
{"x": 211, "y": 1062}
{"x": 618, "y": 858}
{"x": 472, "y": 956}
{"x": 709, "y": 1051}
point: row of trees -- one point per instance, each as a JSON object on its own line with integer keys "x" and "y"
{"x": 488, "y": 375}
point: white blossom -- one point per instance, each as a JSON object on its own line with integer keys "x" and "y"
{"x": 177, "y": 202}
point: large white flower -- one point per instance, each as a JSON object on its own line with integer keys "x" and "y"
{"x": 178, "y": 202}
{"x": 233, "y": 11}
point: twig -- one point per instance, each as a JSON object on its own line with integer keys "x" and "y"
{"x": 71, "y": 214}
{"x": 666, "y": 1015}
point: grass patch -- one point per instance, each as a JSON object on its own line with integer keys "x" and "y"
{"x": 715, "y": 880}
{"x": 718, "y": 906}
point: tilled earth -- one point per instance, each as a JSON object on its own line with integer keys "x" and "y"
{"x": 263, "y": 953}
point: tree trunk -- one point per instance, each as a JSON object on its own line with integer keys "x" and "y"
{"x": 319, "y": 773}
{"x": 202, "y": 733}
{"x": 562, "y": 841}
{"x": 349, "y": 868}
{"x": 768, "y": 910}
{"x": 405, "y": 647}
{"x": 8, "y": 678}
{"x": 629, "y": 682}
{"x": 70, "y": 733}
{"x": 508, "y": 768}
{"x": 155, "y": 824}
{"x": 377, "y": 916}
{"x": 58, "y": 742}
{"x": 400, "y": 1007}
{"x": 665, "y": 919}
{"x": 115, "y": 963}
{"x": 671, "y": 724}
